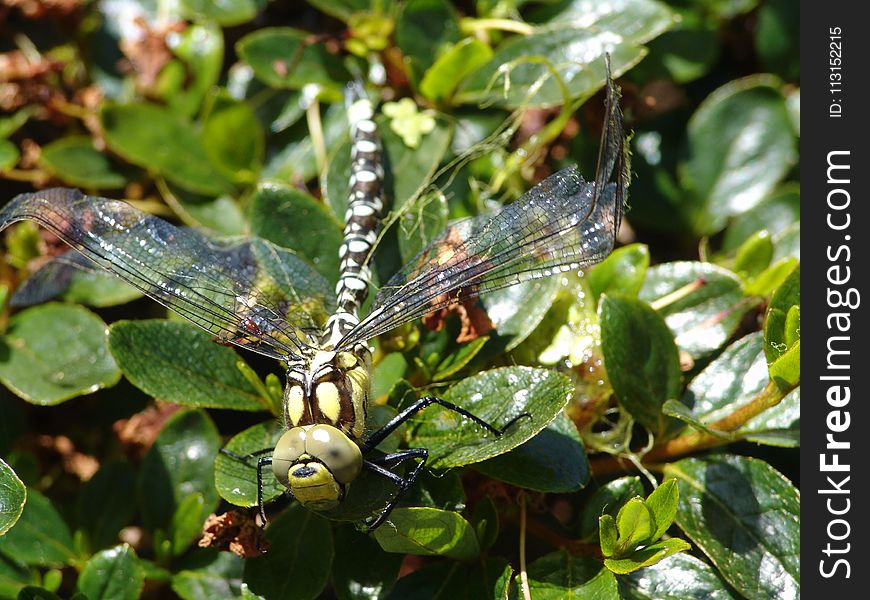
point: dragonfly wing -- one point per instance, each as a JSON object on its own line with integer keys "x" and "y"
{"x": 246, "y": 292}
{"x": 563, "y": 223}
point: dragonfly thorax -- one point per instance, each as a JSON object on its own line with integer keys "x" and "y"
{"x": 330, "y": 388}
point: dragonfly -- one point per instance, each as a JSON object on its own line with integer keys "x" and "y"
{"x": 263, "y": 298}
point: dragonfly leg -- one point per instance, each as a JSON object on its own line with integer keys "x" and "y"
{"x": 262, "y": 462}
{"x": 402, "y": 483}
{"x": 245, "y": 457}
{"x": 421, "y": 403}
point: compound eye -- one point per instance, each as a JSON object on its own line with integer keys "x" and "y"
{"x": 336, "y": 451}
{"x": 287, "y": 452}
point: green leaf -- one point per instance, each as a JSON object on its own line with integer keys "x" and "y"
{"x": 702, "y": 304}
{"x": 686, "y": 52}
{"x": 678, "y": 577}
{"x": 428, "y": 532}
{"x": 180, "y": 463}
{"x": 646, "y": 556}
{"x": 782, "y": 332}
{"x": 75, "y": 161}
{"x": 11, "y": 123}
{"x": 778, "y": 211}
{"x": 212, "y": 574}
{"x": 236, "y": 481}
{"x": 221, "y": 214}
{"x": 772, "y": 277}
{"x": 496, "y": 396}
{"x": 635, "y": 524}
{"x": 622, "y": 272}
{"x": 299, "y": 560}
{"x": 107, "y": 503}
{"x": 200, "y": 52}
{"x": 776, "y": 39}
{"x": 424, "y": 29}
{"x": 361, "y": 570}
{"x": 729, "y": 382}
{"x": 561, "y": 575}
{"x": 187, "y": 520}
{"x": 461, "y": 59}
{"x": 518, "y": 75}
{"x": 9, "y": 155}
{"x": 608, "y": 499}
{"x": 285, "y": 58}
{"x": 754, "y": 255}
{"x": 755, "y": 147}
{"x": 234, "y": 139}
{"x": 552, "y": 461}
{"x": 228, "y": 12}
{"x": 662, "y": 503}
{"x": 113, "y": 573}
{"x": 55, "y": 352}
{"x": 176, "y": 362}
{"x": 293, "y": 219}
{"x": 486, "y": 522}
{"x": 12, "y": 497}
{"x": 645, "y": 372}
{"x": 745, "y": 517}
{"x": 518, "y": 309}
{"x": 777, "y": 426}
{"x": 161, "y": 141}
{"x": 455, "y": 362}
{"x": 41, "y": 537}
{"x": 608, "y": 534}
{"x": 443, "y": 580}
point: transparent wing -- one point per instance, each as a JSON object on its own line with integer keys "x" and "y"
{"x": 246, "y": 292}
{"x": 563, "y": 223}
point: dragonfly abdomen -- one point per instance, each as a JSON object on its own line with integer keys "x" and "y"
{"x": 362, "y": 219}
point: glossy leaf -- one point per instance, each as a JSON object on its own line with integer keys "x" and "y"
{"x": 283, "y": 57}
{"x": 12, "y": 497}
{"x": 622, "y": 272}
{"x": 782, "y": 332}
{"x": 176, "y": 362}
{"x": 299, "y": 561}
{"x": 463, "y": 58}
{"x": 775, "y": 214}
{"x": 9, "y": 155}
{"x": 646, "y": 556}
{"x": 293, "y": 219}
{"x": 74, "y": 160}
{"x": 608, "y": 499}
{"x": 236, "y": 481}
{"x": 162, "y": 142}
{"x": 662, "y": 503}
{"x": 561, "y": 575}
{"x": 199, "y": 49}
{"x": 180, "y": 463}
{"x": 113, "y": 573}
{"x": 40, "y": 537}
{"x": 754, "y": 150}
{"x": 517, "y": 310}
{"x": 362, "y": 571}
{"x": 635, "y": 524}
{"x": 231, "y": 12}
{"x": 496, "y": 396}
{"x": 428, "y": 532}
{"x": 677, "y": 577}
{"x": 552, "y": 461}
{"x": 443, "y": 580}
{"x": 234, "y": 140}
{"x": 730, "y": 381}
{"x": 212, "y": 574}
{"x": 754, "y": 255}
{"x": 777, "y": 426}
{"x": 701, "y": 303}
{"x": 744, "y": 516}
{"x": 76, "y": 342}
{"x": 424, "y": 26}
{"x": 645, "y": 372}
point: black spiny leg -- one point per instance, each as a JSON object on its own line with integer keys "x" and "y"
{"x": 421, "y": 403}
{"x": 396, "y": 458}
{"x": 402, "y": 483}
{"x": 263, "y": 461}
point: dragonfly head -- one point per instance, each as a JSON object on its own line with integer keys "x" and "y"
{"x": 316, "y": 463}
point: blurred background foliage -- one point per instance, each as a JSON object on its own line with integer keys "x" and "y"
{"x": 228, "y": 117}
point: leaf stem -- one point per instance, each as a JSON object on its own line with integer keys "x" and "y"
{"x": 767, "y": 398}
{"x": 524, "y": 576}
